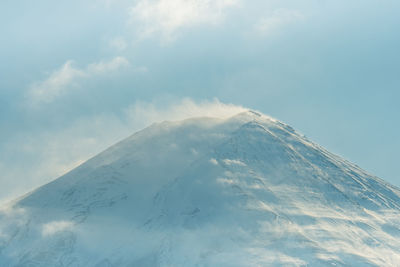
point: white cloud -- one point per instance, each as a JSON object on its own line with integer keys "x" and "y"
{"x": 166, "y": 17}
{"x": 279, "y": 18}
{"x": 10, "y": 211}
{"x": 56, "y": 83}
{"x": 54, "y": 227}
{"x": 213, "y": 161}
{"x": 67, "y": 77}
{"x": 233, "y": 162}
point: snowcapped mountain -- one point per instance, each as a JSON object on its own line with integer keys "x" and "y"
{"x": 243, "y": 191}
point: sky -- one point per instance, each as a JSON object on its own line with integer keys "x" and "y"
{"x": 78, "y": 76}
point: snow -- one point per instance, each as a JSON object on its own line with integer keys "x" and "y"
{"x": 241, "y": 191}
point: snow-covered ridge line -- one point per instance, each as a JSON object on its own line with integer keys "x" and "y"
{"x": 246, "y": 190}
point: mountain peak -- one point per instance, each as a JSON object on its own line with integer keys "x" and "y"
{"x": 242, "y": 191}
{"x": 253, "y": 115}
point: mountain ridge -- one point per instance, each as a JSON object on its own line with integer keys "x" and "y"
{"x": 246, "y": 190}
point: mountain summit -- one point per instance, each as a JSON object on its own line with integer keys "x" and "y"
{"x": 243, "y": 191}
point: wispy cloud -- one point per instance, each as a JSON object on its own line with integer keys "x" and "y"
{"x": 234, "y": 162}
{"x": 279, "y": 18}
{"x": 103, "y": 67}
{"x": 166, "y": 17}
{"x": 56, "y": 83}
{"x": 68, "y": 77}
{"x": 146, "y": 112}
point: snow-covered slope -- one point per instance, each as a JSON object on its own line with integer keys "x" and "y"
{"x": 243, "y": 191}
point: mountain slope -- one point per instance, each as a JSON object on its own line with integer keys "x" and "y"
{"x": 244, "y": 191}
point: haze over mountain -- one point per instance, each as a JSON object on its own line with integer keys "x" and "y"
{"x": 244, "y": 191}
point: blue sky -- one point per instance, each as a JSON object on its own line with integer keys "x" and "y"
{"x": 77, "y": 76}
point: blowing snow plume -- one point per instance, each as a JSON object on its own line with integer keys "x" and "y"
{"x": 239, "y": 190}
{"x": 46, "y": 155}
